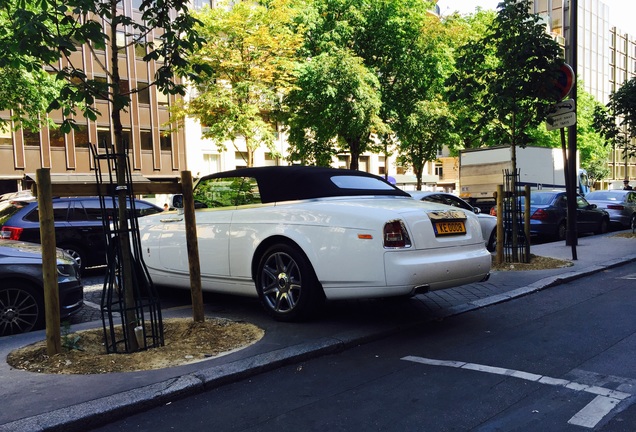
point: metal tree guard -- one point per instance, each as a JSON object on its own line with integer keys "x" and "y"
{"x": 518, "y": 251}
{"x": 119, "y": 313}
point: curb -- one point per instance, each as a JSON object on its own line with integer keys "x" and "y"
{"x": 94, "y": 413}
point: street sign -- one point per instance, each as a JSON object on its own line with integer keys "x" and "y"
{"x": 562, "y": 107}
{"x": 565, "y": 80}
{"x": 560, "y": 121}
{"x": 562, "y": 114}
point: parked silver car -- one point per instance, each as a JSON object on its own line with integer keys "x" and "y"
{"x": 620, "y": 204}
{"x": 22, "y": 286}
{"x": 488, "y": 223}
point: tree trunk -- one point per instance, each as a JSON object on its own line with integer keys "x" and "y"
{"x": 354, "y": 148}
{"x": 121, "y": 151}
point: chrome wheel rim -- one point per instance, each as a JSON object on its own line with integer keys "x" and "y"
{"x": 75, "y": 255}
{"x": 19, "y": 311}
{"x": 281, "y": 282}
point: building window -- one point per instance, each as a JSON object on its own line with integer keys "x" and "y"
{"x": 210, "y": 163}
{"x": 146, "y": 140}
{"x": 199, "y": 4}
{"x": 166, "y": 142}
{"x": 31, "y": 139}
{"x": 104, "y": 138}
{"x": 103, "y": 94}
{"x": 140, "y": 46}
{"x": 127, "y": 138}
{"x": 240, "y": 159}
{"x": 81, "y": 136}
{"x": 120, "y": 39}
{"x": 144, "y": 93}
{"x": 162, "y": 98}
{"x": 5, "y": 137}
{"x": 124, "y": 87}
{"x": 56, "y": 137}
{"x": 344, "y": 162}
{"x": 439, "y": 170}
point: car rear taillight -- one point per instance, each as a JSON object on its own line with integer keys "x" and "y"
{"x": 10, "y": 233}
{"x": 615, "y": 207}
{"x": 540, "y": 214}
{"x": 395, "y": 235}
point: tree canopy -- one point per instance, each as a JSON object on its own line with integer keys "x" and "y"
{"x": 44, "y": 35}
{"x": 507, "y": 77}
{"x": 249, "y": 52}
{"x": 617, "y": 121}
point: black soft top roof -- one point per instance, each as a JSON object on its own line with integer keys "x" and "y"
{"x": 286, "y": 183}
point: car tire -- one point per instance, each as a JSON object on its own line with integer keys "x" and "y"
{"x": 632, "y": 222}
{"x": 21, "y": 308}
{"x": 77, "y": 254}
{"x": 562, "y": 230}
{"x": 603, "y": 227}
{"x": 492, "y": 241}
{"x": 287, "y": 285}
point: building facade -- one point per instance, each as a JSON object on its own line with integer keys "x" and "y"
{"x": 154, "y": 153}
{"x": 606, "y": 58}
{"x": 622, "y": 67}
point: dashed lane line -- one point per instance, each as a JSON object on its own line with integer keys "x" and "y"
{"x": 605, "y": 400}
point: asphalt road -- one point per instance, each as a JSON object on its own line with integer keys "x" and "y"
{"x": 557, "y": 360}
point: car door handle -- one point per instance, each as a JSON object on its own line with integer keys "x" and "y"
{"x": 171, "y": 220}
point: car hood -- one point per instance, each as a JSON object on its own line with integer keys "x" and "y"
{"x": 25, "y": 251}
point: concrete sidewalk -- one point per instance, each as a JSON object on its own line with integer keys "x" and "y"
{"x": 42, "y": 402}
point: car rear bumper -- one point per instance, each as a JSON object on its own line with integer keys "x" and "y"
{"x": 415, "y": 271}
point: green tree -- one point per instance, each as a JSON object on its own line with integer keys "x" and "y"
{"x": 27, "y": 95}
{"x": 45, "y": 34}
{"x": 507, "y": 75}
{"x": 468, "y": 84}
{"x": 410, "y": 50}
{"x": 515, "y": 67}
{"x": 334, "y": 108}
{"x": 400, "y": 43}
{"x": 423, "y": 133}
{"x": 350, "y": 99}
{"x": 592, "y": 148}
{"x": 616, "y": 122}
{"x": 250, "y": 52}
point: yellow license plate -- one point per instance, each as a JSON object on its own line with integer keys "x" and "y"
{"x": 449, "y": 228}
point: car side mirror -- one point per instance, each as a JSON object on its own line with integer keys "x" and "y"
{"x": 177, "y": 201}
{"x": 476, "y": 210}
{"x": 593, "y": 206}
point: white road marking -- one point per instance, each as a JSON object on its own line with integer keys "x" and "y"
{"x": 594, "y": 411}
{"x": 605, "y": 400}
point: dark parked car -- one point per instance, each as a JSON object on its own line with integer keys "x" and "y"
{"x": 620, "y": 204}
{"x": 78, "y": 225}
{"x": 548, "y": 211}
{"x": 22, "y": 287}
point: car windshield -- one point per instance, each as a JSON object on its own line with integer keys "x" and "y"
{"x": 541, "y": 198}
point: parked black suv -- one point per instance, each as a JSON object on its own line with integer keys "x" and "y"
{"x": 78, "y": 225}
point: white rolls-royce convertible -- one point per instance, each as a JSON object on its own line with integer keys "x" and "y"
{"x": 297, "y": 235}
